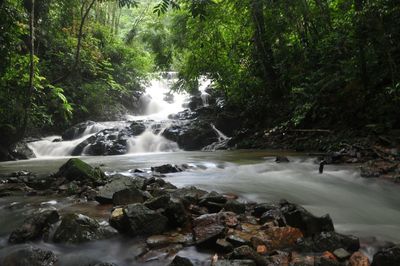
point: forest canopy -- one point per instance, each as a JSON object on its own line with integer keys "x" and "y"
{"x": 298, "y": 63}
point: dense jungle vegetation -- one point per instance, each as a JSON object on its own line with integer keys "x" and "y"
{"x": 300, "y": 63}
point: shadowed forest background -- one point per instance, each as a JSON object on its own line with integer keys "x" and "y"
{"x": 330, "y": 64}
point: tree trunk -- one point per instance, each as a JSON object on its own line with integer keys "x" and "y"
{"x": 263, "y": 49}
{"x": 361, "y": 39}
{"x": 29, "y": 91}
{"x": 84, "y": 15}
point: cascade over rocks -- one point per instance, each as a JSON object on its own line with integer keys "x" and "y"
{"x": 77, "y": 130}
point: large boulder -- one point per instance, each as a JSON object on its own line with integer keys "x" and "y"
{"x": 193, "y": 135}
{"x": 77, "y": 170}
{"x": 137, "y": 219}
{"x": 35, "y": 227}
{"x": 28, "y": 255}
{"x": 118, "y": 183}
{"x": 112, "y": 141}
{"x": 297, "y": 216}
{"x": 77, "y": 228}
{"x": 137, "y": 128}
{"x": 387, "y": 257}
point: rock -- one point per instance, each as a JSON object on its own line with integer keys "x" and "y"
{"x": 168, "y": 239}
{"x": 112, "y": 141}
{"x": 128, "y": 196}
{"x": 282, "y": 237}
{"x": 180, "y": 261}
{"x": 235, "y": 206}
{"x": 11, "y": 189}
{"x": 77, "y": 130}
{"x": 166, "y": 168}
{"x": 21, "y": 151}
{"x": 193, "y": 135}
{"x": 281, "y": 159}
{"x": 237, "y": 241}
{"x": 359, "y": 259}
{"x": 274, "y": 215}
{"x": 235, "y": 263}
{"x": 262, "y": 208}
{"x": 34, "y": 227}
{"x": 118, "y": 183}
{"x": 387, "y": 257}
{"x": 207, "y": 227}
{"x": 28, "y": 255}
{"x": 329, "y": 241}
{"x": 77, "y": 228}
{"x": 188, "y": 195}
{"x": 223, "y": 245}
{"x": 246, "y": 252}
{"x": 297, "y": 216}
{"x": 77, "y": 170}
{"x": 381, "y": 168}
{"x": 160, "y": 202}
{"x": 137, "y": 128}
{"x": 136, "y": 219}
{"x": 176, "y": 214}
{"x": 341, "y": 254}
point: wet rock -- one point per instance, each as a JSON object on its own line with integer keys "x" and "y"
{"x": 341, "y": 254}
{"x": 235, "y": 206}
{"x": 28, "y": 255}
{"x": 160, "y": 202}
{"x": 112, "y": 141}
{"x": 177, "y": 214}
{"x": 77, "y": 228}
{"x": 180, "y": 261}
{"x": 168, "y": 239}
{"x": 166, "y": 169}
{"x": 137, "y": 128}
{"x": 297, "y": 216}
{"x": 118, "y": 183}
{"x": 21, "y": 151}
{"x": 208, "y": 227}
{"x": 246, "y": 252}
{"x": 235, "y": 263}
{"x": 191, "y": 136}
{"x": 34, "y": 227}
{"x": 281, "y": 159}
{"x": 237, "y": 241}
{"x": 282, "y": 237}
{"x": 387, "y": 257}
{"x": 224, "y": 245}
{"x": 7, "y": 189}
{"x": 128, "y": 196}
{"x": 77, "y": 130}
{"x": 329, "y": 241}
{"x": 274, "y": 215}
{"x": 77, "y": 170}
{"x": 136, "y": 219}
{"x": 359, "y": 259}
{"x": 381, "y": 168}
{"x": 262, "y": 208}
{"x": 189, "y": 195}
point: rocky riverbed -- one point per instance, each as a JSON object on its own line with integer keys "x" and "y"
{"x": 165, "y": 220}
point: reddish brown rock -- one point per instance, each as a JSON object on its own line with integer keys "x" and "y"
{"x": 359, "y": 259}
{"x": 282, "y": 237}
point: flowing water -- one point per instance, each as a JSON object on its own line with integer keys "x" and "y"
{"x": 368, "y": 208}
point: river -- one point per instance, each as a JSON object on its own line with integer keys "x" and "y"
{"x": 367, "y": 208}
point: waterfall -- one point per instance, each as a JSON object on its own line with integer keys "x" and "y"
{"x": 204, "y": 84}
{"x": 221, "y": 136}
{"x": 159, "y": 102}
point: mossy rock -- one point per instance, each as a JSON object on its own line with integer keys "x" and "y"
{"x": 77, "y": 170}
